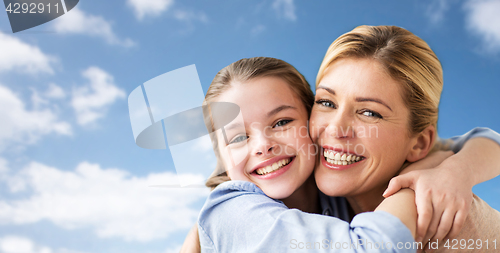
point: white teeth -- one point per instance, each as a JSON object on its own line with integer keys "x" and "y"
{"x": 276, "y": 166}
{"x": 333, "y": 157}
{"x": 273, "y": 167}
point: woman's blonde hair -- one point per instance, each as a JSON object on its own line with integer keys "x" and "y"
{"x": 245, "y": 70}
{"x": 407, "y": 58}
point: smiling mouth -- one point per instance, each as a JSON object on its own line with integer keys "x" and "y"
{"x": 273, "y": 167}
{"x": 341, "y": 158}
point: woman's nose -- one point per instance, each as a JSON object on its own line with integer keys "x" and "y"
{"x": 340, "y": 126}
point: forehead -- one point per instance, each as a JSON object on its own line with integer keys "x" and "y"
{"x": 363, "y": 76}
{"x": 259, "y": 95}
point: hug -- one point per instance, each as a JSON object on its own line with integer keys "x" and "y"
{"x": 359, "y": 161}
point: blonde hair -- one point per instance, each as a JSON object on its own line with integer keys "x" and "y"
{"x": 245, "y": 70}
{"x": 407, "y": 58}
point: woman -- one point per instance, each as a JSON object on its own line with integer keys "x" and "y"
{"x": 377, "y": 98}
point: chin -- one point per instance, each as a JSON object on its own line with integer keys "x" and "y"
{"x": 277, "y": 193}
{"x": 332, "y": 185}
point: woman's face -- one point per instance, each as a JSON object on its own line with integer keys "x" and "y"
{"x": 278, "y": 154}
{"x": 360, "y": 123}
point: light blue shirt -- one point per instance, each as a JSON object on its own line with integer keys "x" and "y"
{"x": 239, "y": 217}
{"x": 459, "y": 141}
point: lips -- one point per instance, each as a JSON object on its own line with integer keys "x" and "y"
{"x": 338, "y": 159}
{"x": 273, "y": 167}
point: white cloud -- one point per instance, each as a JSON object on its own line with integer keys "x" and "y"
{"x": 78, "y": 22}
{"x": 23, "y": 57}
{"x": 482, "y": 19}
{"x": 285, "y": 9}
{"x": 18, "y": 244}
{"x": 46, "y": 98}
{"x": 436, "y": 10}
{"x": 257, "y": 30}
{"x": 91, "y": 101}
{"x": 22, "y": 126}
{"x": 153, "y": 8}
{"x": 111, "y": 202}
{"x": 173, "y": 250}
{"x": 55, "y": 91}
{"x": 189, "y": 16}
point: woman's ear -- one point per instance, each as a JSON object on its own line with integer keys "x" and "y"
{"x": 422, "y": 144}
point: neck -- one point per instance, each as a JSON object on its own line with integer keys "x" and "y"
{"x": 368, "y": 201}
{"x": 305, "y": 198}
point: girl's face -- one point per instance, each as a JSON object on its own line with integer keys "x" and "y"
{"x": 278, "y": 152}
{"x": 360, "y": 123}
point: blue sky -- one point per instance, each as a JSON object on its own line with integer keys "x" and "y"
{"x": 72, "y": 178}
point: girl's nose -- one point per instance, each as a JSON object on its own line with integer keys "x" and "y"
{"x": 263, "y": 145}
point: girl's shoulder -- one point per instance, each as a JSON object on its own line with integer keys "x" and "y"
{"x": 236, "y": 197}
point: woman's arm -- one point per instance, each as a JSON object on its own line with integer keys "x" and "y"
{"x": 444, "y": 190}
{"x": 481, "y": 157}
{"x": 192, "y": 241}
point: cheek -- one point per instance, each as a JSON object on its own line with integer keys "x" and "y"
{"x": 301, "y": 141}
{"x": 236, "y": 173}
{"x": 316, "y": 125}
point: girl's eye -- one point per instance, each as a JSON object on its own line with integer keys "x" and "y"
{"x": 239, "y": 139}
{"x": 326, "y": 103}
{"x": 282, "y": 122}
{"x": 373, "y": 114}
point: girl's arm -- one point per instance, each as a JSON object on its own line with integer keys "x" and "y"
{"x": 443, "y": 187}
{"x": 192, "y": 242}
{"x": 402, "y": 205}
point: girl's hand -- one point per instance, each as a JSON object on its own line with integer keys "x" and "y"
{"x": 443, "y": 194}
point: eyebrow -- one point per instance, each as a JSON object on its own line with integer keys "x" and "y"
{"x": 327, "y": 89}
{"x": 279, "y": 109}
{"x": 232, "y": 126}
{"x": 358, "y": 99}
{"x": 361, "y": 99}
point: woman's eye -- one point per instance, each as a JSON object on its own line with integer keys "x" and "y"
{"x": 326, "y": 103}
{"x": 282, "y": 122}
{"x": 239, "y": 139}
{"x": 369, "y": 113}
